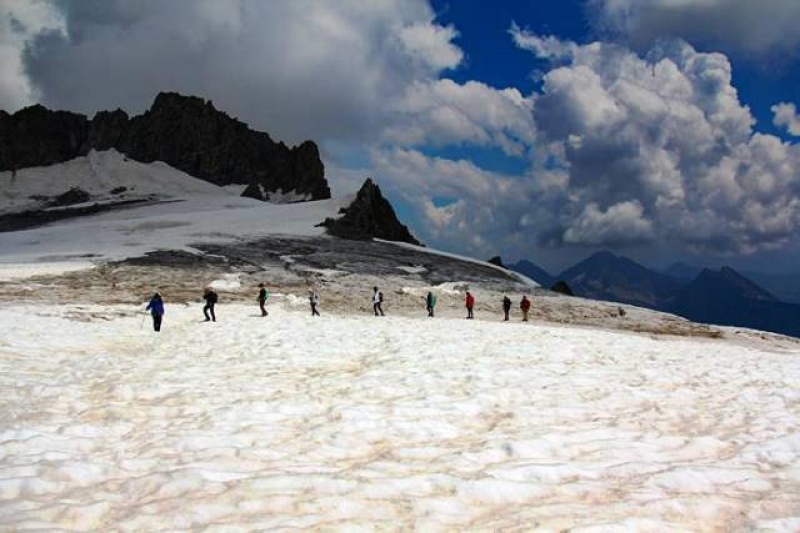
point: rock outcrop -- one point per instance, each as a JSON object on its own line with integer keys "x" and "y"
{"x": 370, "y": 216}
{"x": 36, "y": 136}
{"x": 186, "y": 132}
{"x": 562, "y": 287}
{"x": 497, "y": 260}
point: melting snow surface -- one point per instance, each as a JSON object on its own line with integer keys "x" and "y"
{"x": 360, "y": 422}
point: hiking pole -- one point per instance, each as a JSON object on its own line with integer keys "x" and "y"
{"x": 144, "y": 315}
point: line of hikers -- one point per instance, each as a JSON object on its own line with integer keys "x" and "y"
{"x": 156, "y": 305}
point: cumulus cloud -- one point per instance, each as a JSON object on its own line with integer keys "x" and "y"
{"x": 431, "y": 44}
{"x": 20, "y": 22}
{"x": 443, "y": 112}
{"x": 622, "y": 224}
{"x": 490, "y": 211}
{"x": 785, "y": 116}
{"x": 754, "y": 28}
{"x": 660, "y": 148}
{"x": 296, "y": 68}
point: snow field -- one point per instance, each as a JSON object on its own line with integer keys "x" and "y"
{"x": 341, "y": 423}
{"x": 98, "y": 173}
{"x": 193, "y": 211}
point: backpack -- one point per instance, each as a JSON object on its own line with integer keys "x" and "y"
{"x": 380, "y": 297}
{"x": 212, "y": 297}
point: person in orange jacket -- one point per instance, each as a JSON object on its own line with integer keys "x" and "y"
{"x": 470, "y": 302}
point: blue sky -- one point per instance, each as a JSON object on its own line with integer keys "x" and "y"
{"x": 532, "y": 129}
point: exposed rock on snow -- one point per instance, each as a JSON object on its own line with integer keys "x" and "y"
{"x": 370, "y": 216}
{"x": 562, "y": 287}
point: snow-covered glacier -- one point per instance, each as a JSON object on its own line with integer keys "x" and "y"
{"x": 361, "y": 423}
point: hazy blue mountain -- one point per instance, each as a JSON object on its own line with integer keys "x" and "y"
{"x": 683, "y": 270}
{"x": 605, "y": 276}
{"x": 725, "y": 297}
{"x": 533, "y": 271}
{"x": 785, "y": 286}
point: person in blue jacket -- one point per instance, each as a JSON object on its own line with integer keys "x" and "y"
{"x": 156, "y": 308}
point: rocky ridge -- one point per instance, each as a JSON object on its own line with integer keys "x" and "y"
{"x": 186, "y": 132}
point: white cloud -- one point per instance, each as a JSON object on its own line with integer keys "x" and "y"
{"x": 431, "y": 45}
{"x": 750, "y": 27}
{"x": 627, "y": 150}
{"x": 443, "y": 112}
{"x": 786, "y": 116}
{"x": 543, "y": 46}
{"x": 20, "y": 22}
{"x": 659, "y": 148}
{"x": 621, "y": 224}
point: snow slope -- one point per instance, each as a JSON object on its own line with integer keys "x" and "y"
{"x": 362, "y": 423}
{"x": 98, "y": 174}
{"x": 176, "y": 225}
{"x": 195, "y": 211}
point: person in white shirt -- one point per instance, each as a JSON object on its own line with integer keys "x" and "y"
{"x": 377, "y": 300}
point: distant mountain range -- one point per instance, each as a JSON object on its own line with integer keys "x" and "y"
{"x": 723, "y": 297}
{"x": 604, "y": 276}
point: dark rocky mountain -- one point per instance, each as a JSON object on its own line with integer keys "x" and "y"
{"x": 533, "y": 271}
{"x": 605, "y": 276}
{"x": 497, "y": 261}
{"x": 186, "y": 132}
{"x": 726, "y": 298}
{"x": 370, "y": 216}
{"x": 684, "y": 271}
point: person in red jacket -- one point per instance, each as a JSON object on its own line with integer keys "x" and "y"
{"x": 525, "y": 306}
{"x": 470, "y": 302}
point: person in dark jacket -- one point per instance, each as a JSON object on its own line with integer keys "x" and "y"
{"x": 262, "y": 299}
{"x": 313, "y": 300}
{"x": 430, "y": 303}
{"x": 470, "y": 303}
{"x": 156, "y": 308}
{"x": 506, "y": 307}
{"x": 525, "y": 306}
{"x": 211, "y": 300}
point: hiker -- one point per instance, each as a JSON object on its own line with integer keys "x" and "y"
{"x": 470, "y": 302}
{"x": 313, "y": 299}
{"x": 211, "y": 299}
{"x": 430, "y": 303}
{"x": 377, "y": 300}
{"x": 525, "y": 305}
{"x": 506, "y": 307}
{"x": 263, "y": 295}
{"x": 156, "y": 308}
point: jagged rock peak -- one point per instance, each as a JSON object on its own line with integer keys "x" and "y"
{"x": 370, "y": 216}
{"x": 186, "y": 132}
{"x": 497, "y": 261}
